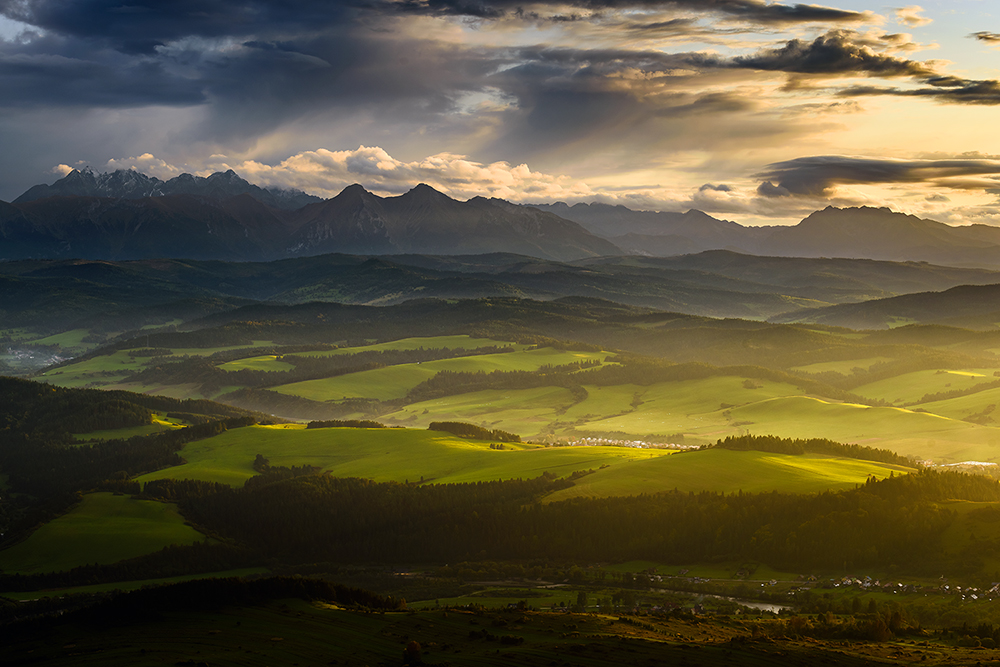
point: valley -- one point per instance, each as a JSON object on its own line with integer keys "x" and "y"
{"x": 742, "y": 455}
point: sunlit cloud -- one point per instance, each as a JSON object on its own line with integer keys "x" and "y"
{"x": 991, "y": 38}
{"x": 911, "y": 16}
{"x": 325, "y": 173}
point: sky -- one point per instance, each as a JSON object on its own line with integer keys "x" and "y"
{"x": 754, "y": 111}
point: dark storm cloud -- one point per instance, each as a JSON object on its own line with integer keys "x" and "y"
{"x": 836, "y": 52}
{"x": 749, "y": 10}
{"x": 942, "y": 89}
{"x": 389, "y": 79}
{"x": 817, "y": 176}
{"x": 51, "y": 71}
{"x": 138, "y": 26}
{"x": 984, "y": 36}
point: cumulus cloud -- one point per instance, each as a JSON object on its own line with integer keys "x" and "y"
{"x": 325, "y": 173}
{"x": 834, "y": 53}
{"x": 911, "y": 16}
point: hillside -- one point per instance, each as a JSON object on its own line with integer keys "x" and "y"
{"x": 970, "y": 306}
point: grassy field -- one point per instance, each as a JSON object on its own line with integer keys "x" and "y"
{"x": 267, "y": 362}
{"x": 103, "y": 370}
{"x": 108, "y": 371}
{"x": 726, "y": 471}
{"x": 395, "y": 381}
{"x": 925, "y": 436}
{"x": 104, "y": 528}
{"x": 382, "y": 455}
{"x": 911, "y": 387}
{"x": 842, "y": 367}
{"x": 964, "y": 406}
{"x": 410, "y": 455}
{"x": 66, "y": 340}
{"x": 530, "y": 413}
{"x": 425, "y": 342}
{"x": 160, "y": 423}
{"x": 703, "y": 411}
{"x": 693, "y": 407}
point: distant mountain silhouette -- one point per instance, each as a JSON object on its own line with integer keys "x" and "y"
{"x": 126, "y": 215}
{"x": 862, "y": 232}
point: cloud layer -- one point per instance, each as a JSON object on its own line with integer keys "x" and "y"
{"x": 644, "y": 101}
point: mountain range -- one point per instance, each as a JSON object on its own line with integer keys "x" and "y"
{"x": 860, "y": 232}
{"x": 127, "y": 215}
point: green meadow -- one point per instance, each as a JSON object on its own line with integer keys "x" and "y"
{"x": 725, "y": 471}
{"x": 395, "y": 381}
{"x": 268, "y": 362}
{"x": 66, "y": 340}
{"x": 530, "y": 413}
{"x": 415, "y": 343}
{"x": 105, "y": 369}
{"x": 103, "y": 528}
{"x": 966, "y": 406}
{"x": 431, "y": 456}
{"x": 694, "y": 407}
{"x": 842, "y": 367}
{"x": 161, "y": 423}
{"x": 911, "y": 387}
{"x": 383, "y": 455}
{"x": 923, "y": 435}
{"x": 109, "y": 370}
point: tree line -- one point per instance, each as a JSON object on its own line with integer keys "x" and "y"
{"x": 795, "y": 446}
{"x": 895, "y": 521}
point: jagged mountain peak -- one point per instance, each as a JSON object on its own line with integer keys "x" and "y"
{"x": 133, "y": 184}
{"x": 423, "y": 192}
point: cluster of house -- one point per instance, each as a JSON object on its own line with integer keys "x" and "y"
{"x": 636, "y": 444}
{"x": 966, "y": 592}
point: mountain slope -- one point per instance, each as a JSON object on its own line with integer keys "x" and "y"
{"x": 426, "y": 221}
{"x": 878, "y": 233}
{"x": 224, "y": 217}
{"x": 970, "y": 306}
